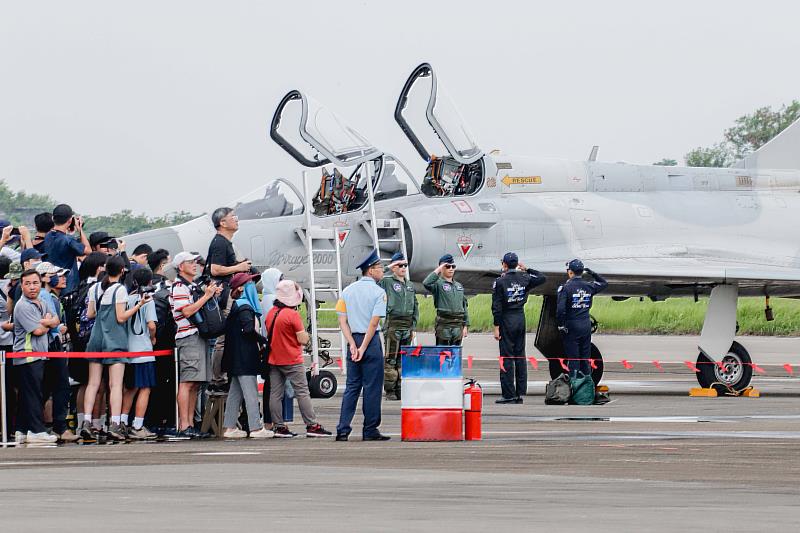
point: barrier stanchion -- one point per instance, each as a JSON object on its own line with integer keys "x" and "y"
{"x": 177, "y": 414}
{"x": 3, "y": 396}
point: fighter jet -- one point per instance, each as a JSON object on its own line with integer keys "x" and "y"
{"x": 652, "y": 231}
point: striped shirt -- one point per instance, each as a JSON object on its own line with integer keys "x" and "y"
{"x": 179, "y": 297}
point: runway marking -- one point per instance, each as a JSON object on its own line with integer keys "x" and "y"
{"x": 40, "y": 463}
{"x": 227, "y": 453}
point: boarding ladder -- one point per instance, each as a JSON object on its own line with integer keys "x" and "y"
{"x": 388, "y": 234}
{"x": 320, "y": 242}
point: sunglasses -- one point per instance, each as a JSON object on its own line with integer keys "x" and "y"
{"x": 450, "y": 266}
{"x": 402, "y": 265}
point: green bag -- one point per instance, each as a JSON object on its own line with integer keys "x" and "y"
{"x": 582, "y": 389}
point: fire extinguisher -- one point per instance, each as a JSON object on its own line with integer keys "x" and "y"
{"x": 473, "y": 405}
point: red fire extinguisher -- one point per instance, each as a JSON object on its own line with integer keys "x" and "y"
{"x": 473, "y": 405}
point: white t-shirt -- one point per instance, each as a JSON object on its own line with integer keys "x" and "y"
{"x": 138, "y": 334}
{"x": 105, "y": 299}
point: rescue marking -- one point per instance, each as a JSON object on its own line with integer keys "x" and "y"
{"x": 341, "y": 236}
{"x": 462, "y": 206}
{"x": 521, "y": 180}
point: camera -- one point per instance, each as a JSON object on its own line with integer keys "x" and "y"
{"x": 15, "y": 231}
{"x": 149, "y": 289}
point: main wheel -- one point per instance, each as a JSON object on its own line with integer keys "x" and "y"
{"x": 323, "y": 385}
{"x": 597, "y": 373}
{"x": 736, "y": 370}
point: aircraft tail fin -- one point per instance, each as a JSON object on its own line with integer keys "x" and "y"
{"x": 782, "y": 152}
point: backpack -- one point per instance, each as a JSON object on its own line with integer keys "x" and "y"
{"x": 165, "y": 322}
{"x": 582, "y": 389}
{"x": 209, "y": 319}
{"x": 74, "y": 305}
{"x": 558, "y": 391}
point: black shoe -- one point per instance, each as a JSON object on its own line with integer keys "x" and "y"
{"x": 518, "y": 400}
{"x": 315, "y": 430}
{"x": 377, "y": 436}
{"x": 506, "y": 400}
{"x": 392, "y": 396}
{"x": 87, "y": 433}
{"x": 342, "y": 437}
{"x": 282, "y": 432}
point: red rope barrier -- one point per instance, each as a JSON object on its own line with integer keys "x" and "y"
{"x": 86, "y": 355}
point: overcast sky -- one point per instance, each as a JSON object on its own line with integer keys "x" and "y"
{"x": 163, "y": 106}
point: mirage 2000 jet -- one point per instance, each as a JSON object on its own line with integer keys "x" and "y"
{"x": 652, "y": 231}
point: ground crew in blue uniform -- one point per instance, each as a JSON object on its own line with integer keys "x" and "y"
{"x": 402, "y": 313}
{"x": 572, "y": 315}
{"x": 360, "y": 309}
{"x": 509, "y": 294}
{"x": 452, "y": 318}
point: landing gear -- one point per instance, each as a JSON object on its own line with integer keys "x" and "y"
{"x": 734, "y": 370}
{"x": 323, "y": 385}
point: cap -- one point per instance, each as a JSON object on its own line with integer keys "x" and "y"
{"x": 511, "y": 260}
{"x": 14, "y": 270}
{"x": 28, "y": 254}
{"x": 46, "y": 269}
{"x": 62, "y": 212}
{"x": 99, "y": 237}
{"x": 447, "y": 258}
{"x": 288, "y": 293}
{"x": 183, "y": 257}
{"x": 240, "y": 278}
{"x": 371, "y": 259}
{"x": 397, "y": 258}
{"x": 576, "y": 266}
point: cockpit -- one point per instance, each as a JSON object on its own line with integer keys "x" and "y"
{"x": 447, "y": 177}
{"x": 432, "y": 123}
{"x": 348, "y": 163}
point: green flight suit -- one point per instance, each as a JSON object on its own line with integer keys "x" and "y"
{"x": 451, "y": 309}
{"x": 402, "y": 313}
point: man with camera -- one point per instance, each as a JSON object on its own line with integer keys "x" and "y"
{"x": 223, "y": 263}
{"x": 11, "y": 236}
{"x": 192, "y": 349}
{"x": 66, "y": 242}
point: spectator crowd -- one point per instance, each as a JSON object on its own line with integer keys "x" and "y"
{"x": 115, "y": 312}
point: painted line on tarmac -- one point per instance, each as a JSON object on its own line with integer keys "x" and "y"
{"x": 227, "y": 453}
{"x": 781, "y": 435}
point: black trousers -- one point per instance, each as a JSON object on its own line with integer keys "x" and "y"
{"x": 29, "y": 406}
{"x": 161, "y": 408}
{"x": 56, "y": 384}
{"x": 578, "y": 347}
{"x": 514, "y": 377}
{"x": 11, "y": 390}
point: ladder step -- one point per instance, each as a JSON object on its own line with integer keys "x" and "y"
{"x": 326, "y": 289}
{"x": 327, "y": 330}
{"x": 390, "y": 240}
{"x": 326, "y": 310}
{"x": 325, "y": 270}
{"x": 323, "y": 251}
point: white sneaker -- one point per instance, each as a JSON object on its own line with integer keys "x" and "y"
{"x": 41, "y": 438}
{"x": 234, "y": 433}
{"x": 19, "y": 437}
{"x": 262, "y": 433}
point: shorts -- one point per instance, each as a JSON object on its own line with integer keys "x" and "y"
{"x": 193, "y": 364}
{"x": 110, "y": 360}
{"x": 140, "y": 375}
{"x": 79, "y": 370}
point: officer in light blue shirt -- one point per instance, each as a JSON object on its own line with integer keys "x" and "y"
{"x": 360, "y": 309}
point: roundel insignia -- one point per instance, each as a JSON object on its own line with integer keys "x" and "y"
{"x": 447, "y": 287}
{"x": 397, "y": 287}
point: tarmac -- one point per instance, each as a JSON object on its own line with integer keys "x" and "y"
{"x": 653, "y": 459}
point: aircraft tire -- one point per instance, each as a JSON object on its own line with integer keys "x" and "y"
{"x": 323, "y": 385}
{"x": 597, "y": 373}
{"x": 736, "y": 371}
